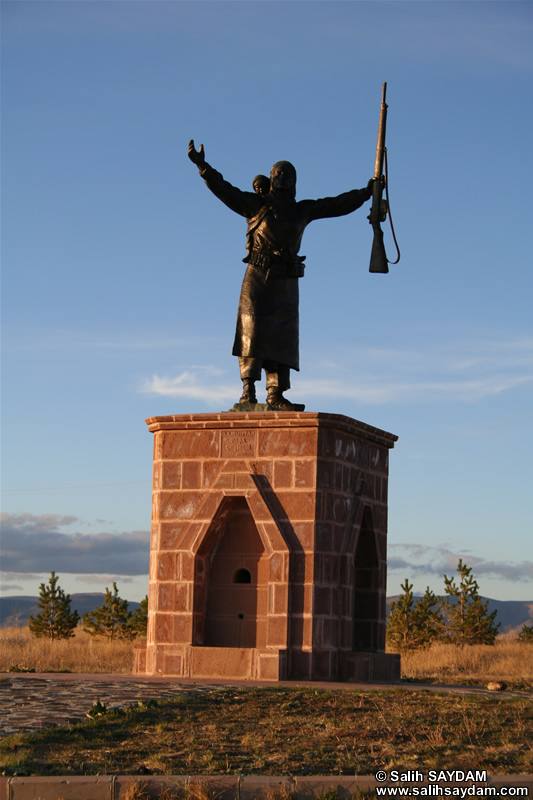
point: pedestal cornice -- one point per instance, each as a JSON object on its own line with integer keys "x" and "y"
{"x": 271, "y": 419}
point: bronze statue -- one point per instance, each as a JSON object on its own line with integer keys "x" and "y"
{"x": 267, "y": 333}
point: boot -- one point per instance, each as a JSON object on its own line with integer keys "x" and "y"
{"x": 248, "y": 392}
{"x": 277, "y": 402}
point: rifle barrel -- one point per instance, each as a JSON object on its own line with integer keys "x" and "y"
{"x": 380, "y": 148}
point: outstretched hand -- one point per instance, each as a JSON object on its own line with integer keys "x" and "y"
{"x": 197, "y": 156}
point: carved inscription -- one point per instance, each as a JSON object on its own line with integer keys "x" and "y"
{"x": 236, "y": 444}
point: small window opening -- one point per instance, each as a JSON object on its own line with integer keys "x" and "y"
{"x": 242, "y": 576}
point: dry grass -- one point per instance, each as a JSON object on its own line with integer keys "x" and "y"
{"x": 287, "y": 731}
{"x": 508, "y": 660}
{"x": 83, "y": 653}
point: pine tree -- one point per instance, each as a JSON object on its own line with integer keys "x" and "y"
{"x": 411, "y": 624}
{"x": 55, "y": 620}
{"x": 526, "y": 634}
{"x": 466, "y": 615}
{"x": 112, "y": 619}
{"x": 139, "y": 620}
{"x": 429, "y": 617}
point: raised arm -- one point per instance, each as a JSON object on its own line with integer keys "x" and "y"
{"x": 338, "y": 206}
{"x": 247, "y": 204}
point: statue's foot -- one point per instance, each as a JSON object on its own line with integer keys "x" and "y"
{"x": 248, "y": 394}
{"x": 277, "y": 402}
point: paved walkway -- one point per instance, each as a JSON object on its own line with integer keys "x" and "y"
{"x": 40, "y": 701}
{"x": 31, "y": 701}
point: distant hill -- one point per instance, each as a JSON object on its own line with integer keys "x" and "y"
{"x": 15, "y": 611}
{"x": 512, "y": 614}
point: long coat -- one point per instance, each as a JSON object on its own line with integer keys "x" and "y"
{"x": 267, "y": 319}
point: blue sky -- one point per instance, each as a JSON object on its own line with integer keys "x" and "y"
{"x": 121, "y": 272}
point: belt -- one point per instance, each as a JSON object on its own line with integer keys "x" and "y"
{"x": 266, "y": 262}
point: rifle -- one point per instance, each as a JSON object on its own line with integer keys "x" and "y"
{"x": 380, "y": 207}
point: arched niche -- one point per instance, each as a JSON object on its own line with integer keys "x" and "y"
{"x": 231, "y": 602}
{"x": 366, "y": 597}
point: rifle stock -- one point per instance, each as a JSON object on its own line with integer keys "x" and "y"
{"x": 378, "y": 212}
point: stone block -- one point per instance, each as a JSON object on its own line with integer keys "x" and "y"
{"x": 182, "y": 505}
{"x": 163, "y": 628}
{"x": 292, "y": 443}
{"x": 283, "y": 474}
{"x": 302, "y": 568}
{"x": 321, "y": 666}
{"x": 172, "y": 535}
{"x": 191, "y": 475}
{"x": 154, "y": 537}
{"x": 154, "y": 785}
{"x": 182, "y": 628}
{"x": 188, "y": 568}
{"x": 182, "y": 597}
{"x": 301, "y": 631}
{"x": 258, "y": 787}
{"x": 305, "y": 473}
{"x": 173, "y": 665}
{"x": 271, "y": 665}
{"x": 139, "y": 659}
{"x": 171, "y": 474}
{"x": 278, "y": 598}
{"x": 77, "y": 787}
{"x": 305, "y": 534}
{"x": 243, "y": 480}
{"x": 210, "y": 472}
{"x": 221, "y": 788}
{"x": 166, "y": 566}
{"x": 300, "y": 664}
{"x": 165, "y": 598}
{"x": 322, "y": 600}
{"x": 343, "y": 787}
{"x": 221, "y": 662}
{"x": 298, "y": 505}
{"x": 277, "y": 631}
{"x": 190, "y": 444}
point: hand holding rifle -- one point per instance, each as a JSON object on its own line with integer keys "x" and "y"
{"x": 380, "y": 206}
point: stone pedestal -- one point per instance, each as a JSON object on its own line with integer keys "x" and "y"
{"x": 269, "y": 548}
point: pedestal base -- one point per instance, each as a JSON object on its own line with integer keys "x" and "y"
{"x": 268, "y": 552}
{"x": 252, "y": 664}
{"x": 233, "y": 663}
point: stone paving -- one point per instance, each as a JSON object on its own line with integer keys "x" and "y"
{"x": 31, "y": 704}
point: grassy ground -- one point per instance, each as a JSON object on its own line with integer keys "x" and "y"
{"x": 278, "y": 731}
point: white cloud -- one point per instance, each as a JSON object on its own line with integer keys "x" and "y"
{"x": 195, "y": 382}
{"x": 432, "y": 373}
{"x": 416, "y": 559}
